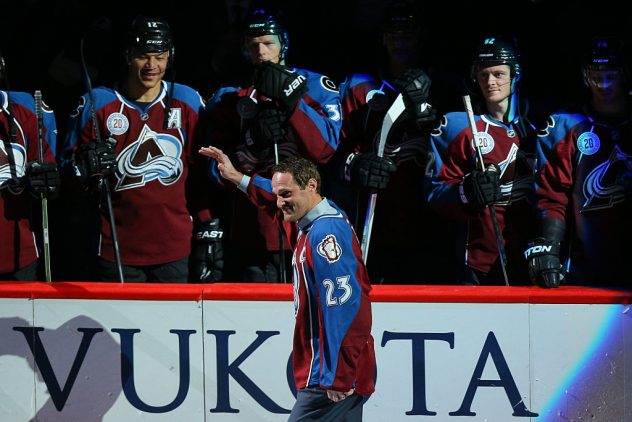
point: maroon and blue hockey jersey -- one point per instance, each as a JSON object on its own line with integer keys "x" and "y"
{"x": 453, "y": 155}
{"x": 333, "y": 345}
{"x": 580, "y": 158}
{"x": 17, "y": 240}
{"x": 313, "y": 132}
{"x": 153, "y": 222}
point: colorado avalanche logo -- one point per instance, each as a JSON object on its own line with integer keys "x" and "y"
{"x": 154, "y": 156}
{"x": 550, "y": 124}
{"x": 80, "y": 105}
{"x": 12, "y": 164}
{"x": 600, "y": 188}
{"x": 329, "y": 249}
{"x": 438, "y": 130}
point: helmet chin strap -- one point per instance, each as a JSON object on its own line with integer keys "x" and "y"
{"x": 513, "y": 102}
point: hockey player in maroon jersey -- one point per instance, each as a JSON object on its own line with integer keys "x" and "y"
{"x": 584, "y": 179}
{"x": 285, "y": 112}
{"x": 23, "y": 178}
{"x": 406, "y": 244}
{"x": 456, "y": 185}
{"x": 147, "y": 127}
{"x": 333, "y": 356}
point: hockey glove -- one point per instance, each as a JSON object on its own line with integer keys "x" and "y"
{"x": 280, "y": 83}
{"x": 42, "y": 178}
{"x": 414, "y": 85}
{"x": 368, "y": 170}
{"x": 543, "y": 255}
{"x": 207, "y": 255}
{"x": 96, "y": 158}
{"x": 479, "y": 189}
{"x": 268, "y": 127}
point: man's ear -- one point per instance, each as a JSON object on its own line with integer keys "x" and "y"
{"x": 312, "y": 184}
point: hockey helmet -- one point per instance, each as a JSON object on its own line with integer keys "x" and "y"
{"x": 494, "y": 52}
{"x": 400, "y": 17}
{"x": 150, "y": 35}
{"x": 261, "y": 23}
{"x": 604, "y": 53}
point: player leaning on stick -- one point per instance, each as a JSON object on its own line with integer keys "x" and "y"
{"x": 459, "y": 188}
{"x": 23, "y": 179}
{"x": 145, "y": 150}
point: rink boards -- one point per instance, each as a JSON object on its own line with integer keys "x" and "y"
{"x": 221, "y": 352}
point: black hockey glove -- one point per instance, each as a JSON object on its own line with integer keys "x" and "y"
{"x": 268, "y": 127}
{"x": 96, "y": 158}
{"x": 368, "y": 170}
{"x": 414, "y": 85}
{"x": 543, "y": 255}
{"x": 543, "y": 262}
{"x": 280, "y": 83}
{"x": 42, "y": 178}
{"x": 207, "y": 256}
{"x": 479, "y": 189}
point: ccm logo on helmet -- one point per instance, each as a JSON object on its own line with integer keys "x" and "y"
{"x": 295, "y": 84}
{"x": 537, "y": 249}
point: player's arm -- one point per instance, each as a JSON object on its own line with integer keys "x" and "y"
{"x": 317, "y": 119}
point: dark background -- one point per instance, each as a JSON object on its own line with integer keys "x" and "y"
{"x": 40, "y": 40}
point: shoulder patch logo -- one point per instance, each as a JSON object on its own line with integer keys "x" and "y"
{"x": 80, "y": 105}
{"x": 329, "y": 249}
{"x": 328, "y": 84}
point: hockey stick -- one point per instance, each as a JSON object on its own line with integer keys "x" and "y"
{"x": 103, "y": 180}
{"x": 282, "y": 274}
{"x": 40, "y": 146}
{"x": 492, "y": 210}
{"x": 396, "y": 109}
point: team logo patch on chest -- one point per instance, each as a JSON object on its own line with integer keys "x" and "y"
{"x": 153, "y": 156}
{"x": 12, "y": 166}
{"x": 329, "y": 248}
{"x": 117, "y": 123}
{"x": 484, "y": 141}
{"x": 588, "y": 143}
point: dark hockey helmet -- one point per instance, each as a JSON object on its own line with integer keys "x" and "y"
{"x": 261, "y": 23}
{"x": 400, "y": 17}
{"x": 604, "y": 53}
{"x": 150, "y": 35}
{"x": 494, "y": 52}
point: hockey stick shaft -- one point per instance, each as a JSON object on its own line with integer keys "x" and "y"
{"x": 104, "y": 179}
{"x": 282, "y": 272}
{"x": 40, "y": 146}
{"x": 395, "y": 110}
{"x": 492, "y": 210}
